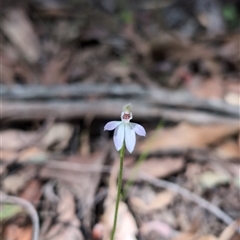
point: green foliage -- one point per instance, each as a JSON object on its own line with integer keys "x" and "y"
{"x": 230, "y": 14}
{"x": 8, "y": 211}
{"x": 126, "y": 17}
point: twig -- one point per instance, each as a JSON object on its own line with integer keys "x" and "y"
{"x": 29, "y": 209}
{"x": 188, "y": 195}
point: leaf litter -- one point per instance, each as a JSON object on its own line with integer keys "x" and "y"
{"x": 67, "y": 172}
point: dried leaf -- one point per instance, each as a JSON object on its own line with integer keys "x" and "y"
{"x": 161, "y": 201}
{"x": 186, "y": 136}
{"x": 33, "y": 155}
{"x": 16, "y": 139}
{"x": 208, "y": 237}
{"x": 16, "y": 182}
{"x": 230, "y": 50}
{"x": 85, "y": 191}
{"x": 8, "y": 156}
{"x": 66, "y": 214}
{"x": 15, "y": 232}
{"x": 211, "y": 179}
{"x": 159, "y": 168}
{"x": 126, "y": 224}
{"x": 229, "y": 233}
{"x": 228, "y": 150}
{"x": 32, "y": 191}
{"x": 232, "y": 98}
{"x": 66, "y": 206}
{"x": 19, "y": 30}
{"x": 54, "y": 71}
{"x": 161, "y": 228}
{"x": 190, "y": 236}
{"x": 57, "y": 136}
{"x": 118, "y": 70}
{"x": 185, "y": 236}
{"x": 61, "y": 232}
{"x": 209, "y": 88}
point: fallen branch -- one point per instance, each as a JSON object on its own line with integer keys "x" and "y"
{"x": 152, "y": 95}
{"x": 65, "y": 110}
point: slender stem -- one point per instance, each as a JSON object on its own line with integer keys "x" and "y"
{"x": 122, "y": 151}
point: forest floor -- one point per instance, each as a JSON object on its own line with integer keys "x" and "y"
{"x": 67, "y": 68}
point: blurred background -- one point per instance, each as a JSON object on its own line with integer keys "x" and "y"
{"x": 68, "y": 67}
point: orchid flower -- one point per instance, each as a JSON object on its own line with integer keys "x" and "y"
{"x": 125, "y": 130}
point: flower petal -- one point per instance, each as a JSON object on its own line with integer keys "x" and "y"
{"x": 118, "y": 136}
{"x": 130, "y": 138}
{"x": 138, "y": 129}
{"x": 111, "y": 125}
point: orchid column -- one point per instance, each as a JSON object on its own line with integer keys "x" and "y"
{"x": 124, "y": 135}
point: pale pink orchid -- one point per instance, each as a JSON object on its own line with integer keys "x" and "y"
{"x": 125, "y": 130}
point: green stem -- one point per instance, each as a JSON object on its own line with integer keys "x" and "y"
{"x": 122, "y": 151}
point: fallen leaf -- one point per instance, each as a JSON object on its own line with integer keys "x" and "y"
{"x": 228, "y": 150}
{"x": 118, "y": 70}
{"x": 16, "y": 139}
{"x": 230, "y": 50}
{"x": 208, "y": 89}
{"x": 160, "y": 201}
{"x": 157, "y": 167}
{"x": 61, "y": 232}
{"x": 32, "y": 155}
{"x": 15, "y": 182}
{"x": 229, "y": 232}
{"x": 232, "y": 98}
{"x": 8, "y": 156}
{"x": 32, "y": 192}
{"x": 15, "y": 232}
{"x": 7, "y": 65}
{"x": 211, "y": 179}
{"x": 57, "y": 137}
{"x": 191, "y": 236}
{"x": 3, "y": 169}
{"x": 208, "y": 237}
{"x": 19, "y": 30}
{"x": 185, "y": 236}
{"x": 185, "y": 136}
{"x": 161, "y": 228}
{"x": 66, "y": 206}
{"x": 192, "y": 170}
{"x": 126, "y": 224}
{"x": 85, "y": 191}
{"x": 67, "y": 226}
{"x": 55, "y": 71}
